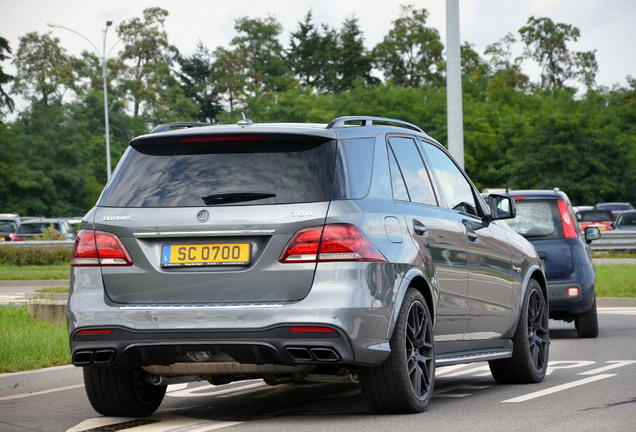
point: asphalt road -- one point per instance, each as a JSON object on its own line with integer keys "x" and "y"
{"x": 591, "y": 386}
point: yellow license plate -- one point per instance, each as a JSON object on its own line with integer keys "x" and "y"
{"x": 205, "y": 254}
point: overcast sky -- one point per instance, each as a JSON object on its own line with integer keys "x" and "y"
{"x": 607, "y": 26}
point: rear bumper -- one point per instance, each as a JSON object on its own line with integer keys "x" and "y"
{"x": 278, "y": 345}
{"x": 143, "y": 335}
{"x": 561, "y": 304}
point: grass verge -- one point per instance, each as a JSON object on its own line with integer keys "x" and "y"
{"x": 615, "y": 280}
{"x": 34, "y": 272}
{"x": 30, "y": 344}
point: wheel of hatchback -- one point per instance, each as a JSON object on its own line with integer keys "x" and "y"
{"x": 120, "y": 392}
{"x": 404, "y": 382}
{"x": 531, "y": 342}
{"x": 586, "y": 323}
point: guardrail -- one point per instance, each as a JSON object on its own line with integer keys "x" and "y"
{"x": 40, "y": 243}
{"x": 615, "y": 240}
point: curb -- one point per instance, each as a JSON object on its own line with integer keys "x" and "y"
{"x": 28, "y": 382}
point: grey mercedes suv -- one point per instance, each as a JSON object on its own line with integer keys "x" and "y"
{"x": 293, "y": 252}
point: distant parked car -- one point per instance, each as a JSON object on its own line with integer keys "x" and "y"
{"x": 626, "y": 220}
{"x": 615, "y": 207}
{"x": 546, "y": 219}
{"x": 602, "y": 219}
{"x": 33, "y": 229}
{"x": 9, "y": 223}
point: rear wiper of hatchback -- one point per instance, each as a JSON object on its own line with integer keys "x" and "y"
{"x": 234, "y": 197}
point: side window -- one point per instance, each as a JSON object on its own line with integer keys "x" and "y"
{"x": 453, "y": 185}
{"x": 414, "y": 173}
{"x": 399, "y": 188}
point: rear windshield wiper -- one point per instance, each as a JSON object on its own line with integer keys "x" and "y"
{"x": 234, "y": 197}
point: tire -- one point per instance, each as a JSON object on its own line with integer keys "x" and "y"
{"x": 404, "y": 382}
{"x": 119, "y": 392}
{"x": 586, "y": 323}
{"x": 531, "y": 343}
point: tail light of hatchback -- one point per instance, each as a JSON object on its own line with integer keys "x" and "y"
{"x": 335, "y": 242}
{"x": 569, "y": 230}
{"x": 99, "y": 248}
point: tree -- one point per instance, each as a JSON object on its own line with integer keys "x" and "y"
{"x": 546, "y": 42}
{"x": 411, "y": 54}
{"x": 229, "y": 68}
{"x": 149, "y": 57}
{"x": 312, "y": 56}
{"x": 507, "y": 67}
{"x": 262, "y": 56}
{"x": 44, "y": 71}
{"x": 197, "y": 82}
{"x": 354, "y": 62}
{"x": 5, "y": 99}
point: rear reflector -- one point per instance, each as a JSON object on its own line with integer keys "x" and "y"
{"x": 99, "y": 248}
{"x": 94, "y": 332}
{"x": 311, "y": 329}
{"x": 336, "y": 242}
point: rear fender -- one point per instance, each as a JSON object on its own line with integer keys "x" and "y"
{"x": 416, "y": 279}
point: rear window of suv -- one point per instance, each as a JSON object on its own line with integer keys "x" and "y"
{"x": 537, "y": 219}
{"x": 241, "y": 172}
{"x": 187, "y": 171}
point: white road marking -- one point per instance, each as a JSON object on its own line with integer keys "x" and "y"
{"x": 161, "y": 423}
{"x": 617, "y": 364}
{"x": 558, "y": 388}
{"x": 214, "y": 391}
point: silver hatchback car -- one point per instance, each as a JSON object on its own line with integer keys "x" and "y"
{"x": 291, "y": 252}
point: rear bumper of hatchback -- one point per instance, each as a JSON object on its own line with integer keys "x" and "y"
{"x": 562, "y": 303}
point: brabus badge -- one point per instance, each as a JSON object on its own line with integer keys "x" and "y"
{"x": 203, "y": 216}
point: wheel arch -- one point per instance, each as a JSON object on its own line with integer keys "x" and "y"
{"x": 533, "y": 272}
{"x": 414, "y": 278}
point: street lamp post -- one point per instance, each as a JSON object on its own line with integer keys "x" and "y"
{"x": 104, "y": 58}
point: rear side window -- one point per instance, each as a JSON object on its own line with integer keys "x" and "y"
{"x": 353, "y": 168}
{"x": 189, "y": 171}
{"x": 537, "y": 219}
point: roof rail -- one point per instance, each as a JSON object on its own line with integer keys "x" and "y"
{"x": 368, "y": 121}
{"x": 178, "y": 125}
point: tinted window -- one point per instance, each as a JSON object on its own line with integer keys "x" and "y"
{"x": 413, "y": 171}
{"x": 453, "y": 185}
{"x": 223, "y": 171}
{"x": 537, "y": 219}
{"x": 353, "y": 168}
{"x": 397, "y": 181}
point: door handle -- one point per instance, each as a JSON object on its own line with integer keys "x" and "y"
{"x": 419, "y": 228}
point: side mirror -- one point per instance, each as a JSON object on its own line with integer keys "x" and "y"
{"x": 501, "y": 207}
{"x": 592, "y": 233}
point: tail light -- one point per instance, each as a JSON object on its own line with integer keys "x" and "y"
{"x": 14, "y": 238}
{"x": 99, "y": 248}
{"x": 336, "y": 242}
{"x": 569, "y": 230}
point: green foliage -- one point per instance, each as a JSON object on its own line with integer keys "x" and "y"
{"x": 34, "y": 255}
{"x": 517, "y": 133}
